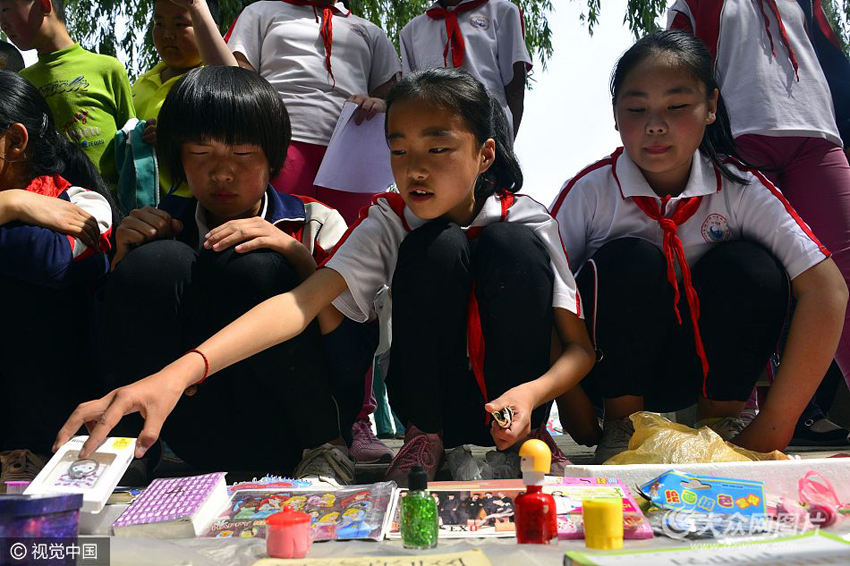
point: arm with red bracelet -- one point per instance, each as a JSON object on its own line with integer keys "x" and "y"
{"x": 271, "y": 322}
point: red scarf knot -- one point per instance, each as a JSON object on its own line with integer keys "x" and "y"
{"x": 327, "y": 28}
{"x": 454, "y": 36}
{"x": 673, "y": 249}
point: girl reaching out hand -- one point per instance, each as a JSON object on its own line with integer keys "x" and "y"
{"x": 472, "y": 266}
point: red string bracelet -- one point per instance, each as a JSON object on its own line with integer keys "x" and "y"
{"x": 206, "y": 366}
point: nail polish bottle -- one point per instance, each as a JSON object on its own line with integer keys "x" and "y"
{"x": 419, "y": 519}
{"x": 534, "y": 511}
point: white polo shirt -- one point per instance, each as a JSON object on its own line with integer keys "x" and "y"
{"x": 595, "y": 207}
{"x": 366, "y": 257}
{"x": 493, "y": 38}
{"x": 284, "y": 44}
{"x": 761, "y": 91}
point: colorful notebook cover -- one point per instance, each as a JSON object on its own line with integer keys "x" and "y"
{"x": 352, "y": 512}
{"x": 169, "y": 499}
{"x": 569, "y": 493}
{"x": 470, "y": 509}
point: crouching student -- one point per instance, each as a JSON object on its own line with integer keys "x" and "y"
{"x": 686, "y": 259}
{"x": 56, "y": 219}
{"x": 225, "y": 131}
{"x": 472, "y": 266}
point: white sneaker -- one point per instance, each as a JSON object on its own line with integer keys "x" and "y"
{"x": 726, "y": 428}
{"x": 615, "y": 439}
{"x": 462, "y": 464}
{"x": 326, "y": 461}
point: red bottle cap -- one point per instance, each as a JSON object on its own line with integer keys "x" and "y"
{"x": 287, "y": 518}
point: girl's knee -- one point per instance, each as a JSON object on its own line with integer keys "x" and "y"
{"x": 263, "y": 269}
{"x": 154, "y": 265}
{"x": 504, "y": 243}
{"x": 744, "y": 268}
{"x": 435, "y": 250}
{"x": 629, "y": 264}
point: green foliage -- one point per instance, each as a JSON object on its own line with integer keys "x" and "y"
{"x": 840, "y": 25}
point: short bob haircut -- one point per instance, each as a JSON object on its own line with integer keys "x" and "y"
{"x": 226, "y": 104}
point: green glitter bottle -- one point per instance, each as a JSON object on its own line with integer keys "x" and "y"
{"x": 419, "y": 521}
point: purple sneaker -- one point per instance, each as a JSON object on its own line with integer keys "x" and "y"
{"x": 420, "y": 449}
{"x": 365, "y": 446}
{"x": 559, "y": 460}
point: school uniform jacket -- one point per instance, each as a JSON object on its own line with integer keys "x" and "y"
{"x": 596, "y": 206}
{"x": 312, "y": 223}
{"x": 366, "y": 256}
{"x": 819, "y": 101}
{"x": 50, "y": 259}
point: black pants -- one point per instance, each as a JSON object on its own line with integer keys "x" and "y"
{"x": 164, "y": 299}
{"x": 642, "y": 350}
{"x": 48, "y": 367}
{"x": 430, "y": 380}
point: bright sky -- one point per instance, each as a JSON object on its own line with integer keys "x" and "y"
{"x": 568, "y": 122}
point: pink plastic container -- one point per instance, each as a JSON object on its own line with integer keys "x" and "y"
{"x": 289, "y": 534}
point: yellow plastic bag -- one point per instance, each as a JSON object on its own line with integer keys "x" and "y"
{"x": 659, "y": 441}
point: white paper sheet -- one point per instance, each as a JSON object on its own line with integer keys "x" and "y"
{"x": 357, "y": 159}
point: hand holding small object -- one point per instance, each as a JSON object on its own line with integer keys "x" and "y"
{"x": 517, "y": 407}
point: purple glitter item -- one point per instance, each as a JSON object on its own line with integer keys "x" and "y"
{"x": 169, "y": 499}
{"x": 46, "y": 516}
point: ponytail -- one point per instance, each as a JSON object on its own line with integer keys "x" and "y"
{"x": 505, "y": 173}
{"x": 460, "y": 92}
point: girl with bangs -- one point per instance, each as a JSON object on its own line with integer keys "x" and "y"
{"x": 224, "y": 131}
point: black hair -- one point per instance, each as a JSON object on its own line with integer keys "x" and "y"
{"x": 213, "y": 5}
{"x": 692, "y": 54}
{"x": 458, "y": 91}
{"x": 227, "y": 104}
{"x": 59, "y": 8}
{"x": 10, "y": 58}
{"x": 48, "y": 152}
{"x": 215, "y": 11}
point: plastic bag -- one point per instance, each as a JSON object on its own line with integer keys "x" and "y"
{"x": 659, "y": 441}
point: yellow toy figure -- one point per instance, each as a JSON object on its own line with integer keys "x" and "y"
{"x": 536, "y": 520}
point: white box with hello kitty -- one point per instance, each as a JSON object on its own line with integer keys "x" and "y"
{"x": 95, "y": 476}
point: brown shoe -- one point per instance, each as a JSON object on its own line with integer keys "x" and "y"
{"x": 18, "y": 465}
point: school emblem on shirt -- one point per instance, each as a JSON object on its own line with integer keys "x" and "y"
{"x": 479, "y": 21}
{"x": 716, "y": 229}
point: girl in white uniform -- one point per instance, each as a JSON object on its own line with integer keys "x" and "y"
{"x": 684, "y": 256}
{"x": 484, "y": 37}
{"x": 473, "y": 267}
{"x": 787, "y": 84}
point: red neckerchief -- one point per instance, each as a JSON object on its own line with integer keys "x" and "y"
{"x": 782, "y": 32}
{"x": 454, "y": 37}
{"x": 48, "y": 185}
{"x": 327, "y": 29}
{"x": 673, "y": 246}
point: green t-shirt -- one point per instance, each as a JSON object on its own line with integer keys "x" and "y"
{"x": 89, "y": 95}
